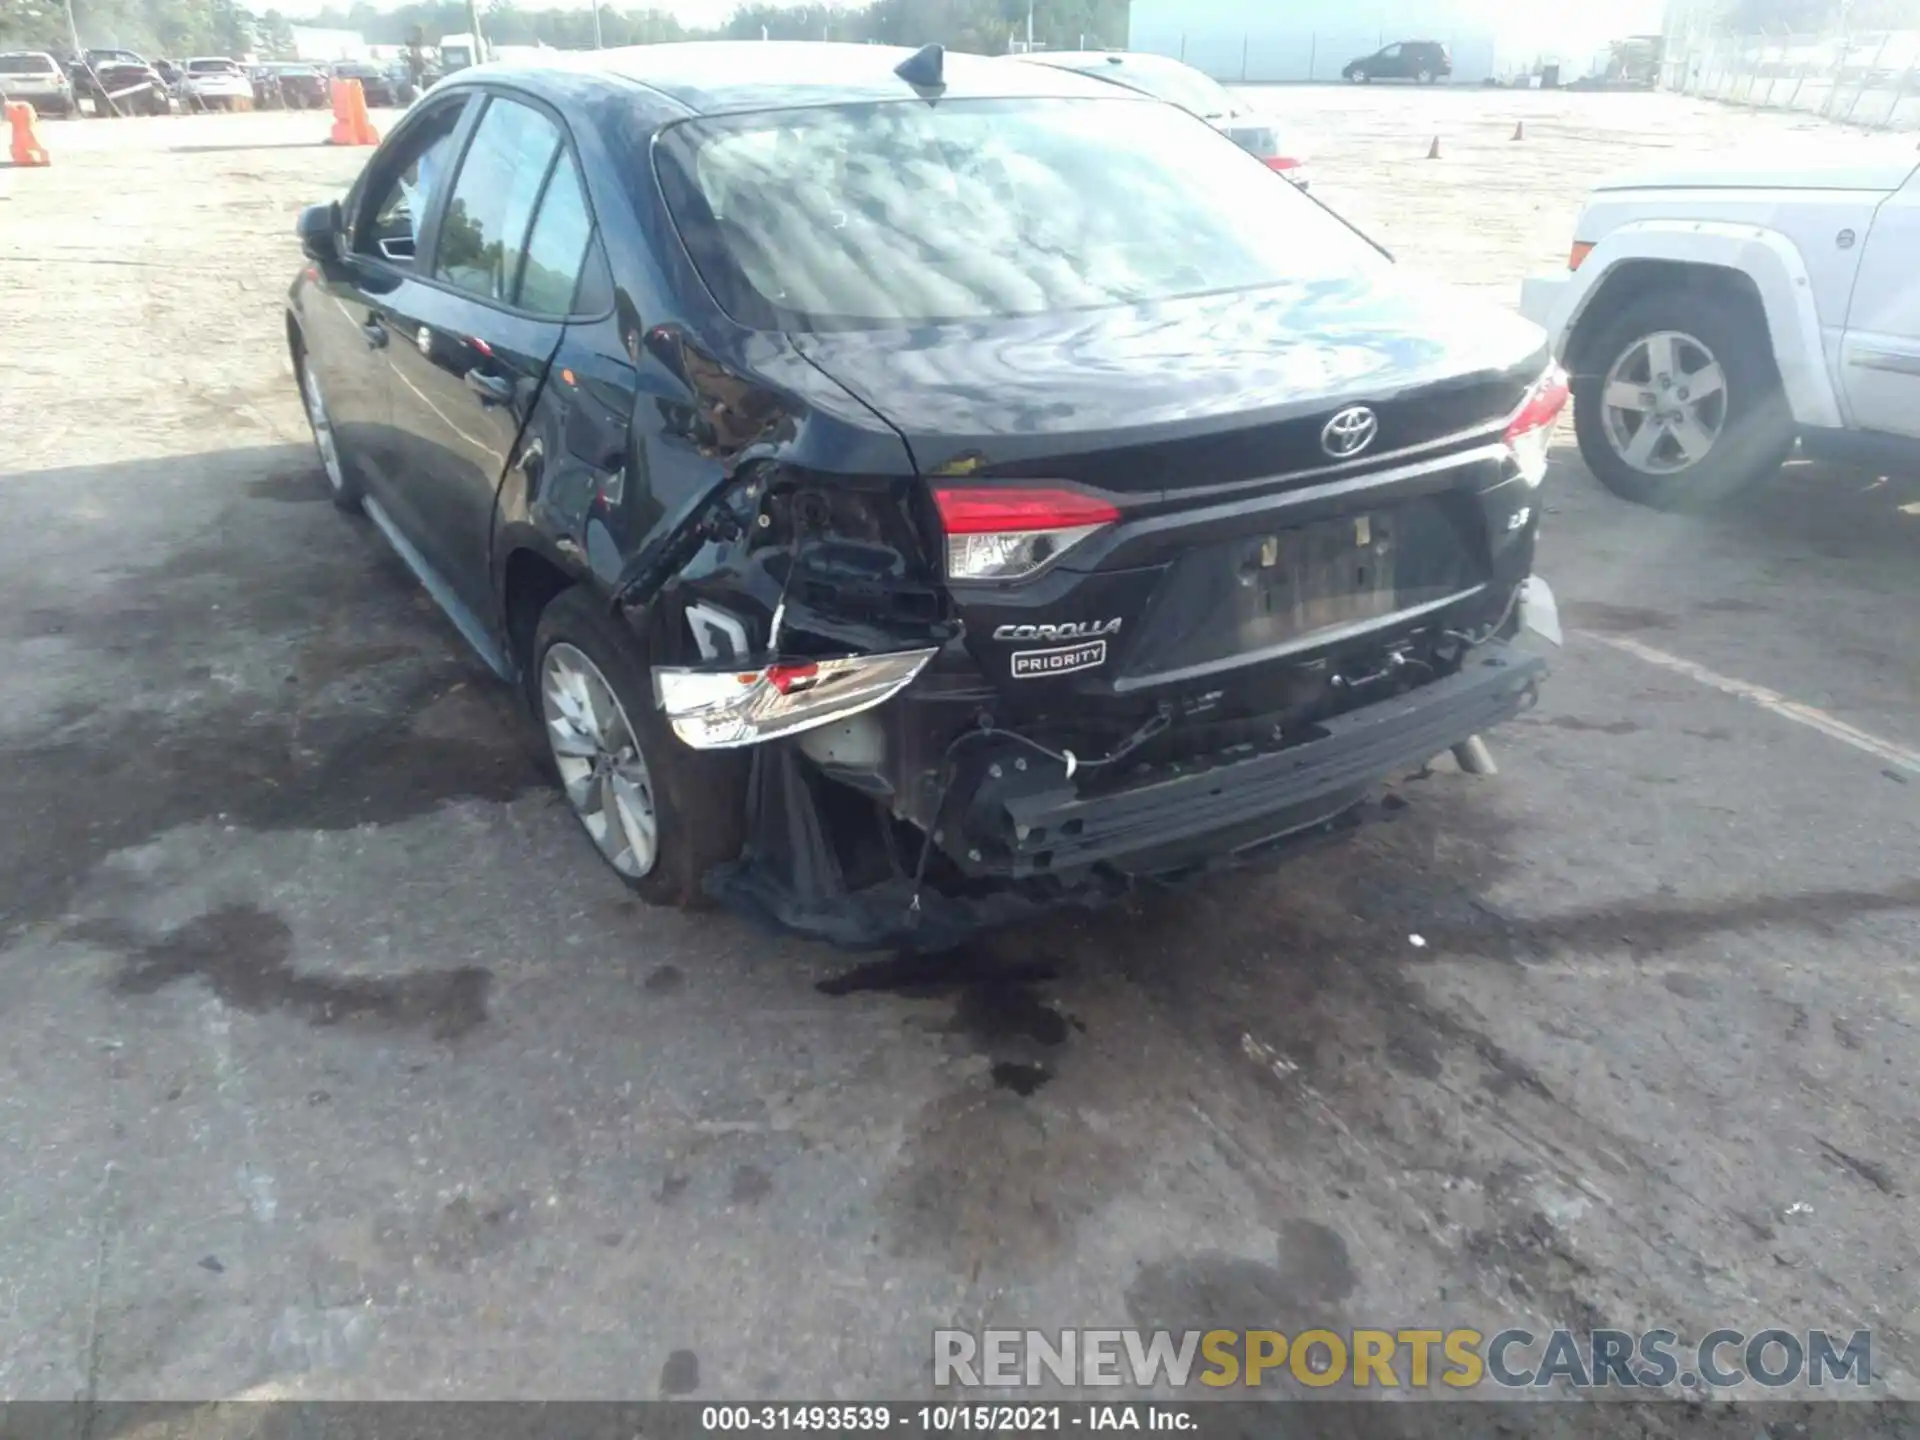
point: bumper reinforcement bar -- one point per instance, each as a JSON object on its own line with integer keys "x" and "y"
{"x": 1262, "y": 797}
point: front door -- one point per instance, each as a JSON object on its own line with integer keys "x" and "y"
{"x": 474, "y": 333}
{"x": 350, "y": 334}
{"x": 1880, "y": 356}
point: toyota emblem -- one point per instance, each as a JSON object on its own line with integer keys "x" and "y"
{"x": 1349, "y": 432}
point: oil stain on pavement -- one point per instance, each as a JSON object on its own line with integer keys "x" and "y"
{"x": 244, "y": 955}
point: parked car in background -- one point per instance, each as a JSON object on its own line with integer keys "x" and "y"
{"x": 1713, "y": 311}
{"x": 375, "y": 83}
{"x": 215, "y": 82}
{"x": 1024, "y": 492}
{"x": 1193, "y": 91}
{"x": 120, "y": 82}
{"x": 300, "y": 86}
{"x": 1422, "y": 61}
{"x": 36, "y": 77}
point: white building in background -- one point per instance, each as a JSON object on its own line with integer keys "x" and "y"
{"x": 1272, "y": 41}
{"x": 311, "y": 42}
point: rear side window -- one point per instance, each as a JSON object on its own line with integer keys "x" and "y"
{"x": 894, "y": 213}
{"x": 483, "y": 234}
{"x": 557, "y": 244}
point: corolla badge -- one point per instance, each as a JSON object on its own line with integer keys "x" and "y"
{"x": 1066, "y": 630}
{"x": 1349, "y": 432}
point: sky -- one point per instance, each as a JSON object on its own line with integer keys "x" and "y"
{"x": 703, "y": 13}
{"x": 1572, "y": 28}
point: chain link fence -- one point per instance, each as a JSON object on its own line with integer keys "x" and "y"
{"x": 1861, "y": 79}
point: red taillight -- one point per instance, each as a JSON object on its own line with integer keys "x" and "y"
{"x": 789, "y": 678}
{"x": 1005, "y": 532}
{"x": 1283, "y": 162}
{"x": 1530, "y": 432}
{"x": 994, "y": 510}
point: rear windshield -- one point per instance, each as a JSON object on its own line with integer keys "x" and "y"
{"x": 27, "y": 65}
{"x": 1188, "y": 89}
{"x": 212, "y": 67}
{"x": 870, "y": 216}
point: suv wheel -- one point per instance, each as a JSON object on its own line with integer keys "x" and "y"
{"x": 1681, "y": 405}
{"x": 1424, "y": 77}
{"x": 661, "y": 814}
{"x": 341, "y": 482}
{"x": 1359, "y": 77}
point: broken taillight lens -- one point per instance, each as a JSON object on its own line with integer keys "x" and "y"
{"x": 1008, "y": 532}
{"x": 1530, "y": 432}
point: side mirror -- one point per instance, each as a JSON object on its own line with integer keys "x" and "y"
{"x": 319, "y": 231}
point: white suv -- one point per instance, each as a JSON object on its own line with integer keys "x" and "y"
{"x": 218, "y": 83}
{"x": 1711, "y": 314}
{"x": 36, "y": 77}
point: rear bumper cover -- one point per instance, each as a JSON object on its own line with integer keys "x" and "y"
{"x": 1542, "y": 299}
{"x": 1186, "y": 816}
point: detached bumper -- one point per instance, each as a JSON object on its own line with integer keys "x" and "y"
{"x": 1187, "y": 815}
{"x": 1541, "y": 297}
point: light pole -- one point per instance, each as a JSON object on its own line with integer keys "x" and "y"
{"x": 596, "y": 26}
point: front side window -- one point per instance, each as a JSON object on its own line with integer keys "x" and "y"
{"x": 895, "y": 213}
{"x": 483, "y": 234}
{"x": 403, "y": 188}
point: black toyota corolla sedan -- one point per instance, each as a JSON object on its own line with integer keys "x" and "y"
{"x": 911, "y": 489}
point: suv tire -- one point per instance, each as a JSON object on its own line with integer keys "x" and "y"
{"x": 1751, "y": 425}
{"x": 1423, "y": 76}
{"x": 695, "y": 800}
{"x": 1360, "y": 77}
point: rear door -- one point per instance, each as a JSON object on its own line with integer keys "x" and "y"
{"x": 1880, "y": 356}
{"x": 475, "y": 327}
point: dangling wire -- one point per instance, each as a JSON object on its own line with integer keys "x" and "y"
{"x": 1162, "y": 718}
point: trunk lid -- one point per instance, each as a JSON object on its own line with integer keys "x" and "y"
{"x": 1239, "y": 547}
{"x": 1191, "y": 395}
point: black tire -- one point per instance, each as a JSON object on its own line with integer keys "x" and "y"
{"x": 1757, "y": 430}
{"x": 1360, "y": 77}
{"x": 699, "y": 797}
{"x": 344, "y": 490}
{"x": 1424, "y": 77}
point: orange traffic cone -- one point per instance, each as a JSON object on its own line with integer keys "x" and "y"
{"x": 25, "y": 148}
{"x": 350, "y": 123}
{"x": 1519, "y": 129}
{"x": 1433, "y": 150}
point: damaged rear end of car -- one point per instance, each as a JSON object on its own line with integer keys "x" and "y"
{"x": 1167, "y": 527}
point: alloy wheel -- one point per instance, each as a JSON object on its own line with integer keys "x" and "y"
{"x": 322, "y": 428}
{"x": 1664, "y": 403}
{"x": 600, "y": 764}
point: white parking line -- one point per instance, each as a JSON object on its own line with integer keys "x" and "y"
{"x": 1766, "y": 699}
